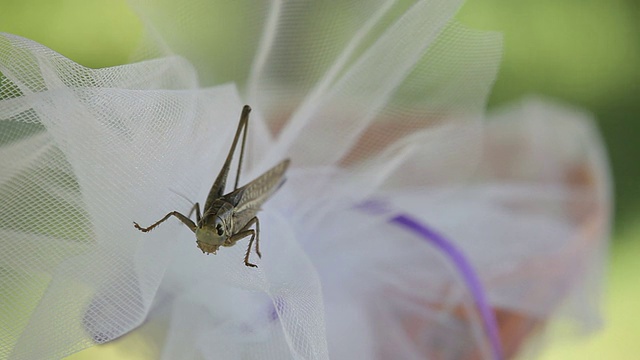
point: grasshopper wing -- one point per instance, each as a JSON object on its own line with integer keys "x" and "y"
{"x": 249, "y": 198}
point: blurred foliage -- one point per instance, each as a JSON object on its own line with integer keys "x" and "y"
{"x": 585, "y": 52}
{"x": 95, "y": 33}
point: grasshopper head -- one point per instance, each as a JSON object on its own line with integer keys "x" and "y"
{"x": 210, "y": 235}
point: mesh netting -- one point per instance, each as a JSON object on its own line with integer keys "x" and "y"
{"x": 378, "y": 100}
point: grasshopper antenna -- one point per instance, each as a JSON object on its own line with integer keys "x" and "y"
{"x": 182, "y": 196}
{"x": 194, "y": 206}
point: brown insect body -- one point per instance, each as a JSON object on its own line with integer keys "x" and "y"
{"x": 230, "y": 218}
{"x": 231, "y": 213}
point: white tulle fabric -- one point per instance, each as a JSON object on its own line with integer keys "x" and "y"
{"x": 370, "y": 99}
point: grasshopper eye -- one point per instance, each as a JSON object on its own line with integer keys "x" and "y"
{"x": 219, "y": 229}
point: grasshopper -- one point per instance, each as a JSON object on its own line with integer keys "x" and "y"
{"x": 228, "y": 218}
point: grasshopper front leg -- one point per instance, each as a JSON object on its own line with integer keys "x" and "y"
{"x": 243, "y": 233}
{"x": 185, "y": 220}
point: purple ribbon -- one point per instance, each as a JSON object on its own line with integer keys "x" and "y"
{"x": 467, "y": 272}
{"x": 381, "y": 207}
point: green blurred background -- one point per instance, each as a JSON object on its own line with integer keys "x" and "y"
{"x": 584, "y": 52}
